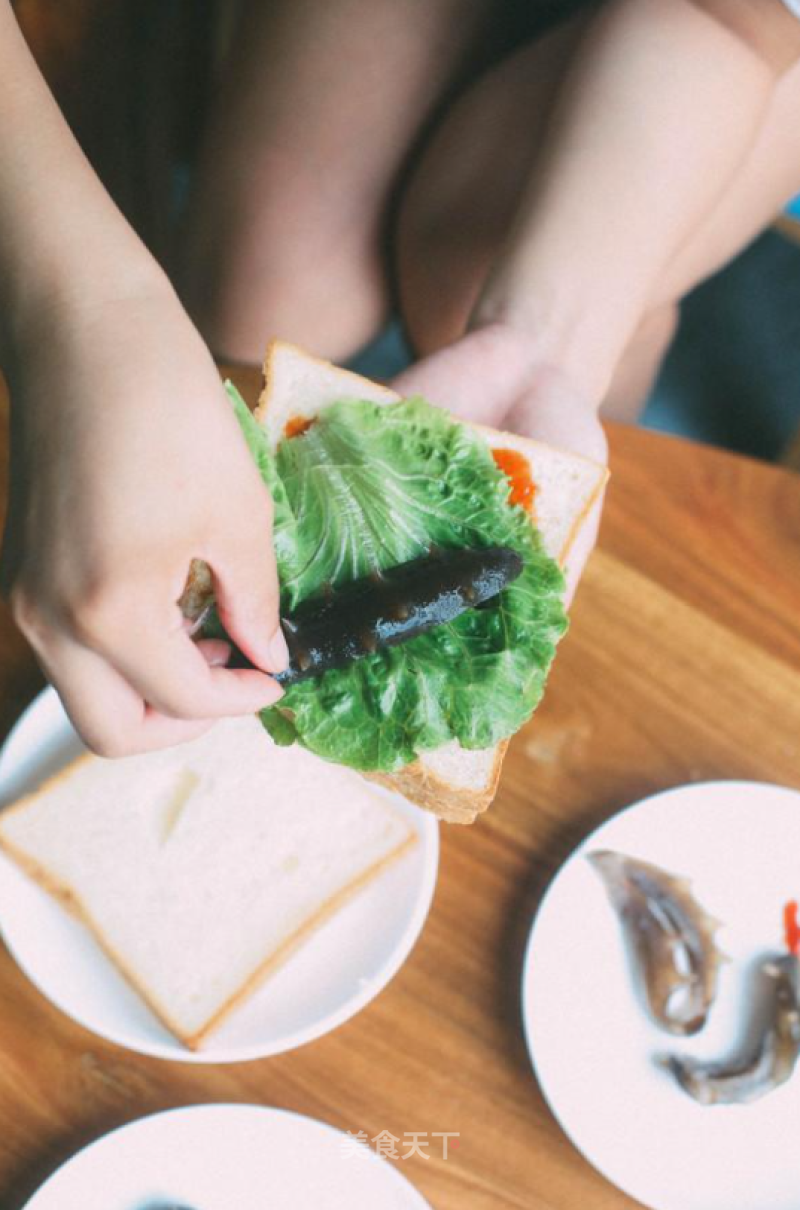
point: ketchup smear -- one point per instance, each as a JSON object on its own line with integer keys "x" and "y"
{"x": 516, "y": 468}
{"x": 297, "y": 425}
{"x": 791, "y": 927}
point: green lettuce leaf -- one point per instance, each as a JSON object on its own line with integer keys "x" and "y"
{"x": 368, "y": 487}
{"x": 287, "y": 540}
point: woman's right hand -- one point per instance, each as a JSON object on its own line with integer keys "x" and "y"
{"x": 126, "y": 463}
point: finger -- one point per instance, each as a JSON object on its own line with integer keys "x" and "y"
{"x": 477, "y": 378}
{"x": 554, "y": 412}
{"x": 171, "y": 672}
{"x": 247, "y": 597}
{"x": 110, "y": 717}
{"x": 582, "y": 547}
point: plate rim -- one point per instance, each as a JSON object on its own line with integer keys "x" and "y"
{"x": 198, "y": 1109}
{"x": 526, "y": 980}
{"x": 428, "y": 833}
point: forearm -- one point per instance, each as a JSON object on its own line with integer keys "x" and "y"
{"x": 62, "y": 240}
{"x": 660, "y": 107}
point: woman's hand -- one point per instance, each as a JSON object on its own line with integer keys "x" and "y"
{"x": 127, "y": 463}
{"x": 493, "y": 376}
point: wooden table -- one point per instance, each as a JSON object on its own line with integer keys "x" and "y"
{"x": 683, "y": 662}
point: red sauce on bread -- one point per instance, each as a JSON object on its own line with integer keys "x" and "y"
{"x": 516, "y": 468}
{"x": 297, "y": 425}
{"x": 791, "y": 927}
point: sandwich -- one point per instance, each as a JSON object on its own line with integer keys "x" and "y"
{"x": 370, "y": 487}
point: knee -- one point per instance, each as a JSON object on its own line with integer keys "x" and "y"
{"x": 298, "y": 271}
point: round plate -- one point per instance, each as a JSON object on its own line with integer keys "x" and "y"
{"x": 593, "y": 1046}
{"x": 215, "y": 1157}
{"x": 342, "y": 966}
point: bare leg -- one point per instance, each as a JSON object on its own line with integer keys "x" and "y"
{"x": 317, "y": 112}
{"x": 638, "y": 368}
{"x": 464, "y": 195}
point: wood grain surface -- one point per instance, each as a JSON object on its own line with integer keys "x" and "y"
{"x": 682, "y": 663}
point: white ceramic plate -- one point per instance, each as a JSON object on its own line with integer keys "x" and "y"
{"x": 592, "y": 1044}
{"x": 226, "y": 1157}
{"x": 331, "y": 977}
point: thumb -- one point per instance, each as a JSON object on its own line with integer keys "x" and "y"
{"x": 554, "y": 412}
{"x": 551, "y": 409}
{"x": 476, "y": 378}
{"x": 248, "y": 595}
{"x": 582, "y": 547}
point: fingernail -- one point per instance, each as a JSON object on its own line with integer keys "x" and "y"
{"x": 220, "y": 658}
{"x": 278, "y": 652}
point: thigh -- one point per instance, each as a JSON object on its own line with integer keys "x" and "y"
{"x": 319, "y": 105}
{"x": 342, "y": 86}
{"x": 766, "y": 181}
{"x": 462, "y": 200}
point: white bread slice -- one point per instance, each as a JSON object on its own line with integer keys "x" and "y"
{"x": 200, "y": 868}
{"x": 298, "y": 386}
{"x": 453, "y": 782}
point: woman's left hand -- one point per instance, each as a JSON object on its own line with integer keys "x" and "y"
{"x": 493, "y": 376}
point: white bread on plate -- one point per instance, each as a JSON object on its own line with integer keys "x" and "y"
{"x": 201, "y": 868}
{"x": 454, "y": 782}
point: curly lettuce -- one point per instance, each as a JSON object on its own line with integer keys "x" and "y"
{"x": 368, "y": 487}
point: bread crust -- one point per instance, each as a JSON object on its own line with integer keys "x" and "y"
{"x": 452, "y": 804}
{"x": 274, "y": 349}
{"x": 580, "y": 520}
{"x": 43, "y": 787}
{"x": 73, "y": 904}
{"x": 278, "y": 957}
